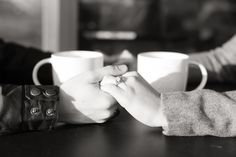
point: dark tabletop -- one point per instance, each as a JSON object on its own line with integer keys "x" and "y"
{"x": 123, "y": 136}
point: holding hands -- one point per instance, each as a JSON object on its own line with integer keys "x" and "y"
{"x": 82, "y": 100}
{"x": 91, "y": 97}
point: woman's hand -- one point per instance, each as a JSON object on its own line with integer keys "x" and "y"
{"x": 136, "y": 96}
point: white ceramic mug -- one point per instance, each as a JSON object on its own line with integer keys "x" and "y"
{"x": 68, "y": 64}
{"x": 168, "y": 71}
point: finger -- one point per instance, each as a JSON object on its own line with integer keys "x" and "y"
{"x": 131, "y": 74}
{"x": 114, "y": 70}
{"x": 122, "y": 85}
{"x": 114, "y": 91}
{"x": 115, "y": 113}
{"x": 108, "y": 80}
{"x": 113, "y": 80}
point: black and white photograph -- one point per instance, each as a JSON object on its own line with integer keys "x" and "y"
{"x": 117, "y": 78}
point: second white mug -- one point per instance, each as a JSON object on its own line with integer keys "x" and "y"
{"x": 167, "y": 71}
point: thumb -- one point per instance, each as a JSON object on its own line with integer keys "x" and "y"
{"x": 114, "y": 70}
{"x": 115, "y": 92}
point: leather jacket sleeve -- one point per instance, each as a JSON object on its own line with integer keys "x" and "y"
{"x": 24, "y": 107}
{"x": 29, "y": 107}
{"x": 17, "y": 63}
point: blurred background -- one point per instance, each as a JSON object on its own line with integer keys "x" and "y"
{"x": 114, "y": 25}
{"x": 20, "y": 21}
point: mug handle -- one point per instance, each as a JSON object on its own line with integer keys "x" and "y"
{"x": 36, "y": 69}
{"x": 204, "y": 75}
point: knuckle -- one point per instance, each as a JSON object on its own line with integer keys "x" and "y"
{"x": 111, "y": 68}
{"x": 106, "y": 115}
{"x": 109, "y": 78}
{"x": 134, "y": 73}
{"x": 114, "y": 68}
{"x": 101, "y": 121}
{"x": 132, "y": 79}
{"x": 106, "y": 79}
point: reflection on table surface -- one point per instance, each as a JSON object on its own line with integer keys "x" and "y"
{"x": 122, "y": 136}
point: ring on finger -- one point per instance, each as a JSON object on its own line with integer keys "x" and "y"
{"x": 119, "y": 80}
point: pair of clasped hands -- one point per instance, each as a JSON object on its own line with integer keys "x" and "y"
{"x": 92, "y": 97}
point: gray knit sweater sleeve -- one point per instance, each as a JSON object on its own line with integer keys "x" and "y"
{"x": 199, "y": 113}
{"x": 220, "y": 62}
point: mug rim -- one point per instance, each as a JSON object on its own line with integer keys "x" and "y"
{"x": 83, "y": 54}
{"x": 170, "y": 55}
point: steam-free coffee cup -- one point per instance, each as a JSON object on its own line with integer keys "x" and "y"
{"x": 68, "y": 64}
{"x": 168, "y": 71}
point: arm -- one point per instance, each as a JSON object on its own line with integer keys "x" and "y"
{"x": 220, "y": 62}
{"x": 17, "y": 62}
{"x": 24, "y": 108}
{"x": 30, "y": 107}
{"x": 198, "y": 113}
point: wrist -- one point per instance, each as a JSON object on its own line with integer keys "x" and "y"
{"x": 39, "y": 107}
{"x": 61, "y": 108}
{"x": 28, "y": 107}
{"x": 163, "y": 118}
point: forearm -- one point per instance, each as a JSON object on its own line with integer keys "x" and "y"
{"x": 17, "y": 62}
{"x": 200, "y": 113}
{"x": 220, "y": 62}
{"x": 24, "y": 108}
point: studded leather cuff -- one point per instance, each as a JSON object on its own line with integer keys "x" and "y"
{"x": 39, "y": 107}
{"x": 30, "y": 107}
